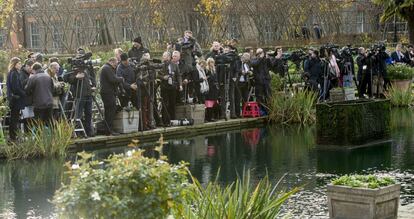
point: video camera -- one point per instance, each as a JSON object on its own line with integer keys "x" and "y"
{"x": 348, "y": 51}
{"x": 226, "y": 58}
{"x": 83, "y": 61}
{"x": 295, "y": 56}
{"x": 147, "y": 69}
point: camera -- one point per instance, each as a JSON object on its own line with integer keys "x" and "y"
{"x": 83, "y": 61}
{"x": 295, "y": 56}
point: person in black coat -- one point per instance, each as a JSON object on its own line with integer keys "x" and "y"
{"x": 109, "y": 85}
{"x": 25, "y": 73}
{"x": 137, "y": 50}
{"x": 410, "y": 55}
{"x": 83, "y": 84}
{"x": 365, "y": 65}
{"x": 398, "y": 56}
{"x": 261, "y": 66}
{"x": 15, "y": 95}
{"x": 129, "y": 86}
{"x": 213, "y": 92}
{"x": 314, "y": 70}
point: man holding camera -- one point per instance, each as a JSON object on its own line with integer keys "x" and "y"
{"x": 109, "y": 85}
{"x": 137, "y": 50}
{"x": 171, "y": 82}
{"x": 83, "y": 84}
{"x": 129, "y": 86}
{"x": 364, "y": 63}
{"x": 410, "y": 55}
{"x": 261, "y": 66}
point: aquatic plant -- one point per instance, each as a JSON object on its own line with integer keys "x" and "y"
{"x": 240, "y": 199}
{"x": 400, "y": 98}
{"x": 294, "y": 107}
{"x": 363, "y": 181}
{"x": 41, "y": 141}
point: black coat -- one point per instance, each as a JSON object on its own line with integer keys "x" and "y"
{"x": 81, "y": 87}
{"x": 15, "y": 91}
{"x": 261, "y": 67}
{"x": 173, "y": 71}
{"x": 127, "y": 73}
{"x": 213, "y": 92}
{"x": 212, "y": 54}
{"x": 109, "y": 81}
{"x": 314, "y": 69}
{"x": 137, "y": 53}
{"x": 395, "y": 58}
{"x": 24, "y": 78}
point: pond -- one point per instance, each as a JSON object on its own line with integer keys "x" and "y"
{"x": 286, "y": 153}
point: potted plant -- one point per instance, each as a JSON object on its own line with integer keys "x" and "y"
{"x": 359, "y": 196}
{"x": 400, "y": 75}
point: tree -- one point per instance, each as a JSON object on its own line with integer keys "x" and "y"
{"x": 400, "y": 8}
{"x": 6, "y": 7}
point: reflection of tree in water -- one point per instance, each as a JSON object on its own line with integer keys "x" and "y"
{"x": 28, "y": 185}
{"x": 402, "y": 133}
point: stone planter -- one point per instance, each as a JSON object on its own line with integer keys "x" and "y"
{"x": 401, "y": 84}
{"x": 342, "y": 94}
{"x": 362, "y": 203}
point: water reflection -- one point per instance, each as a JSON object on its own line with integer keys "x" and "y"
{"x": 26, "y": 187}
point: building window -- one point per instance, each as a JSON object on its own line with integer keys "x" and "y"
{"x": 360, "y": 22}
{"x": 57, "y": 36}
{"x": 34, "y": 36}
{"x": 126, "y": 29}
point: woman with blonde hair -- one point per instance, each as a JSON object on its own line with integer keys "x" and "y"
{"x": 213, "y": 93}
{"x": 202, "y": 87}
{"x": 15, "y": 96}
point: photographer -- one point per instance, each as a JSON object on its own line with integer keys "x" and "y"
{"x": 242, "y": 91}
{"x": 83, "y": 84}
{"x": 146, "y": 76}
{"x": 40, "y": 86}
{"x": 171, "y": 82}
{"x": 129, "y": 86}
{"x": 109, "y": 84}
{"x": 364, "y": 63}
{"x": 15, "y": 96}
{"x": 380, "y": 79}
{"x": 347, "y": 67}
{"x": 410, "y": 55}
{"x": 215, "y": 50}
{"x": 261, "y": 66}
{"x": 137, "y": 50}
{"x": 278, "y": 63}
{"x": 314, "y": 70}
{"x": 189, "y": 48}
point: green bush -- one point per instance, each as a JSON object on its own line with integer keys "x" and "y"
{"x": 43, "y": 141}
{"x": 400, "y": 98}
{"x": 123, "y": 186}
{"x": 296, "y": 107}
{"x": 238, "y": 200}
{"x": 276, "y": 83}
{"x": 361, "y": 181}
{"x": 400, "y": 72}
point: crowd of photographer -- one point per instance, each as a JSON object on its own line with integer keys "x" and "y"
{"x": 223, "y": 80}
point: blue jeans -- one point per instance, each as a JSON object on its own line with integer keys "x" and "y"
{"x": 85, "y": 107}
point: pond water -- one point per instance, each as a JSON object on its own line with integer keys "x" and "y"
{"x": 26, "y": 186}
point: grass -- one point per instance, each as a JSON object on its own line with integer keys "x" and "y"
{"x": 294, "y": 107}
{"x": 43, "y": 141}
{"x": 400, "y": 98}
{"x": 238, "y": 200}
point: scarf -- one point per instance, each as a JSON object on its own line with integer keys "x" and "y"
{"x": 204, "y": 84}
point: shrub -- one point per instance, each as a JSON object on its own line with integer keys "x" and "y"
{"x": 400, "y": 72}
{"x": 276, "y": 83}
{"x": 400, "y": 98}
{"x": 123, "y": 186}
{"x": 360, "y": 181}
{"x": 296, "y": 107}
{"x": 43, "y": 141}
{"x": 237, "y": 200}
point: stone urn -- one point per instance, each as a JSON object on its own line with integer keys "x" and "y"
{"x": 363, "y": 203}
{"x": 401, "y": 84}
